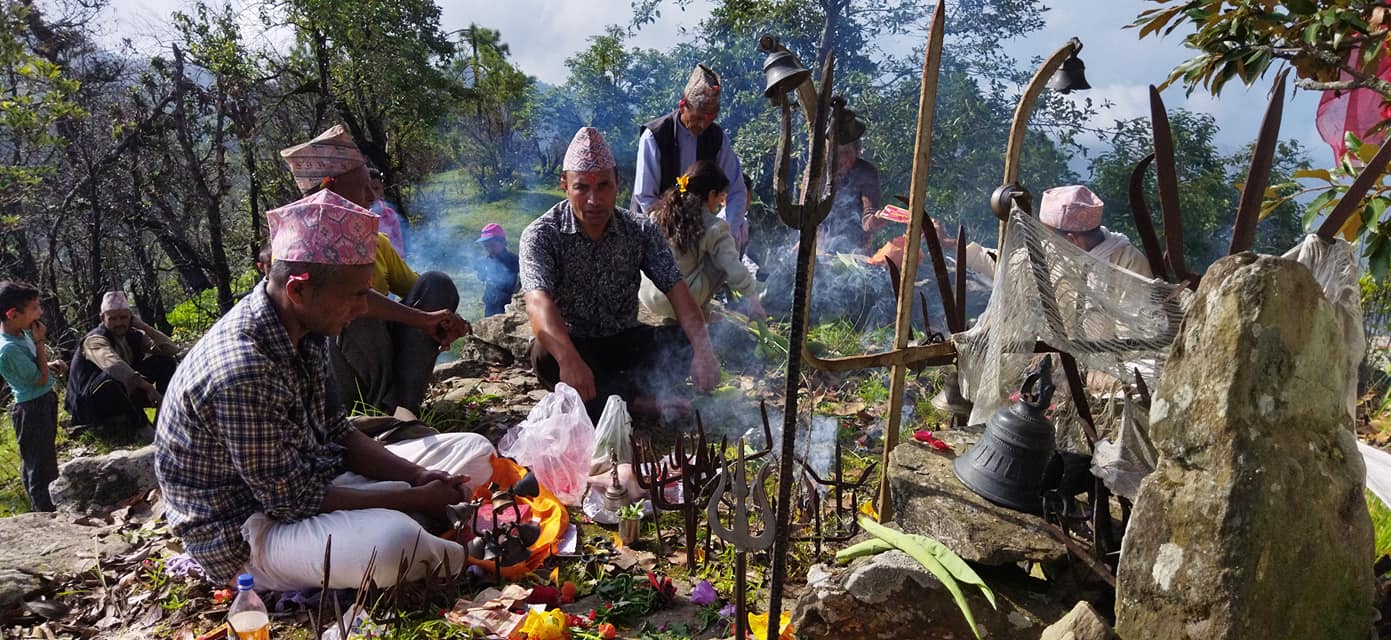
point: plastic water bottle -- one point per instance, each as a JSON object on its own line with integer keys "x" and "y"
{"x": 247, "y": 617}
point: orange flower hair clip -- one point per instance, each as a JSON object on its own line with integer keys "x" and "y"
{"x": 682, "y": 181}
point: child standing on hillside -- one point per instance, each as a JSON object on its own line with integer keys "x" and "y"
{"x": 497, "y": 269}
{"x": 24, "y": 364}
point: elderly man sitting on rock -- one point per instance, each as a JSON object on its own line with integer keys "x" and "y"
{"x": 381, "y": 361}
{"x": 122, "y": 367}
{"x": 580, "y": 268}
{"x": 256, "y": 469}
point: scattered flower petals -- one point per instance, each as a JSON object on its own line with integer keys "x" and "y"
{"x": 182, "y": 566}
{"x": 925, "y": 436}
{"x": 758, "y": 624}
{"x": 543, "y": 594}
{"x": 704, "y": 594}
{"x": 549, "y": 625}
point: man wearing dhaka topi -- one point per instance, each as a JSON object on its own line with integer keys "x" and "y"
{"x": 581, "y": 263}
{"x": 258, "y": 471}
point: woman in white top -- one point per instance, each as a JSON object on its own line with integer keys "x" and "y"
{"x": 700, "y": 242}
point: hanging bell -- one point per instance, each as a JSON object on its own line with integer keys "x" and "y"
{"x": 949, "y": 398}
{"x": 1070, "y": 77}
{"x": 1007, "y": 465}
{"x": 782, "y": 73}
{"x": 847, "y": 128}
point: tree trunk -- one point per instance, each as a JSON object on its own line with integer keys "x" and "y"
{"x": 95, "y": 281}
{"x": 258, "y": 230}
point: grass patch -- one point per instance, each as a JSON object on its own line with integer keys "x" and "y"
{"x": 1381, "y": 524}
{"x": 449, "y": 214}
{"x": 13, "y": 501}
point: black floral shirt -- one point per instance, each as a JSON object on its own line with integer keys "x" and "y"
{"x": 595, "y": 283}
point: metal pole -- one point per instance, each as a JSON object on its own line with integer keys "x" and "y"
{"x": 1020, "y": 124}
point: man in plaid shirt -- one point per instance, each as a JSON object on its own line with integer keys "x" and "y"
{"x": 258, "y": 473}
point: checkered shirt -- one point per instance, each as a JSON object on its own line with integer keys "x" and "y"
{"x": 244, "y": 428}
{"x": 595, "y": 283}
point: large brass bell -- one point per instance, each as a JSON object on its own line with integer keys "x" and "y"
{"x": 781, "y": 70}
{"x": 1071, "y": 76}
{"x": 1007, "y": 465}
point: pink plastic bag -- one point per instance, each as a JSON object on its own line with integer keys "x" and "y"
{"x": 556, "y": 441}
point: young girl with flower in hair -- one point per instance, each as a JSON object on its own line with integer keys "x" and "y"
{"x": 701, "y": 242}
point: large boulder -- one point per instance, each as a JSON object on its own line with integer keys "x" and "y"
{"x": 100, "y": 483}
{"x": 1254, "y": 524}
{"x": 890, "y": 596}
{"x": 930, "y": 500}
{"x": 39, "y": 547}
{"x": 509, "y": 330}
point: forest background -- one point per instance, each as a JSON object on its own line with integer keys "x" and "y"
{"x": 150, "y": 168}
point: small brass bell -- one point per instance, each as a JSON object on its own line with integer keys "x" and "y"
{"x": 1007, "y": 465}
{"x": 1070, "y": 77}
{"x": 781, "y": 70}
{"x": 615, "y": 496}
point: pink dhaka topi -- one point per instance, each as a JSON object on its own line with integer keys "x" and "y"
{"x": 1072, "y": 208}
{"x": 588, "y": 152}
{"x": 333, "y": 153}
{"x": 323, "y": 228}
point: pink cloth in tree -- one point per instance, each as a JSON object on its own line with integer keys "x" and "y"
{"x": 1072, "y": 208}
{"x": 331, "y": 154}
{"x": 588, "y": 152}
{"x": 324, "y": 228}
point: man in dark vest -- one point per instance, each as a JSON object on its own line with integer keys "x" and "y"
{"x": 674, "y": 141}
{"x": 122, "y": 367}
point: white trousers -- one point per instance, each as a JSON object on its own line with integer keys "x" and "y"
{"x": 289, "y": 556}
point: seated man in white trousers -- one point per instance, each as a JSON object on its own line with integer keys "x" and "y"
{"x": 257, "y": 474}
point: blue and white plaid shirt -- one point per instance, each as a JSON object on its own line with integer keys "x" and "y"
{"x": 244, "y": 428}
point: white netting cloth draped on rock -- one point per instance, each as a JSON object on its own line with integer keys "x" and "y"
{"x": 1048, "y": 290}
{"x": 1334, "y": 266}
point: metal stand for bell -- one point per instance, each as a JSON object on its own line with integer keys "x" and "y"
{"x": 740, "y": 534}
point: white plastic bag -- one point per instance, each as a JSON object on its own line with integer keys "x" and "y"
{"x": 555, "y": 441}
{"x": 614, "y": 433}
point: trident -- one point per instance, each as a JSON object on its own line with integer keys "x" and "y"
{"x": 739, "y": 533}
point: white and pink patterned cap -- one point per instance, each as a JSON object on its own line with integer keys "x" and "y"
{"x": 331, "y": 154}
{"x": 324, "y": 228}
{"x": 114, "y": 301}
{"x": 588, "y": 152}
{"x": 1072, "y": 208}
{"x": 703, "y": 89}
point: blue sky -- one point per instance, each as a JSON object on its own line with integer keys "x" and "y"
{"x": 542, "y": 33}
